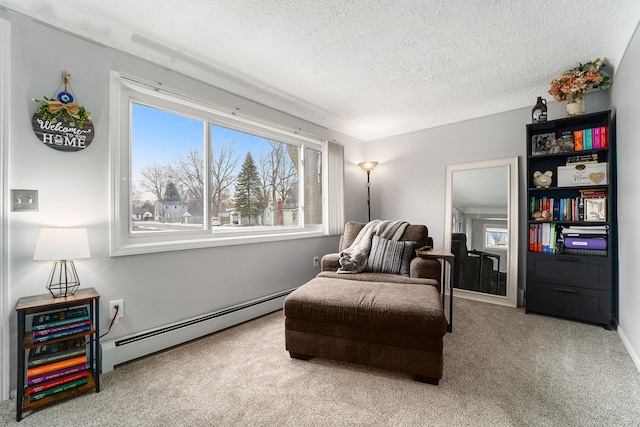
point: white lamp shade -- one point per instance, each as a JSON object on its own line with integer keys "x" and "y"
{"x": 368, "y": 166}
{"x": 57, "y": 244}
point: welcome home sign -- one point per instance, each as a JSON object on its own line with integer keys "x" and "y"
{"x": 61, "y": 135}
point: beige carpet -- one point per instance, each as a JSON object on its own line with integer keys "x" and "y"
{"x": 502, "y": 368}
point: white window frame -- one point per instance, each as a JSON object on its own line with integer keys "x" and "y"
{"x": 123, "y": 90}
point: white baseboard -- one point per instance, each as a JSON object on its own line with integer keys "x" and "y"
{"x": 629, "y": 347}
{"x": 124, "y": 349}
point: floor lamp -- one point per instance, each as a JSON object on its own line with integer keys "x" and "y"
{"x": 368, "y": 167}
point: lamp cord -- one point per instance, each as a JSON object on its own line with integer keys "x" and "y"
{"x": 111, "y": 324}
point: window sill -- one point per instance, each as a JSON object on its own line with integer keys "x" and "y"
{"x": 211, "y": 241}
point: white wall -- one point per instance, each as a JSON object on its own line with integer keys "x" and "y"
{"x": 409, "y": 182}
{"x": 73, "y": 191}
{"x": 626, "y": 93}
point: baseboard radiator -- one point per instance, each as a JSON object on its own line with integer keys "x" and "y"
{"x": 124, "y": 349}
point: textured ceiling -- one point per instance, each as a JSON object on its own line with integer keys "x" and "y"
{"x": 369, "y": 69}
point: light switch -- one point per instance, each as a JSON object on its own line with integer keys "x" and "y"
{"x": 24, "y": 200}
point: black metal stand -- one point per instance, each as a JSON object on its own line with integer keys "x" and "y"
{"x": 369, "y": 195}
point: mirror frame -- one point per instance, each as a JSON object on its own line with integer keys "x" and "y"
{"x": 511, "y": 299}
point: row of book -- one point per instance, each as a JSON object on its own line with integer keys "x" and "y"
{"x": 578, "y": 240}
{"x": 590, "y": 139}
{"x": 582, "y": 158}
{"x": 590, "y": 206}
{"x": 54, "y": 367}
{"x": 543, "y": 237}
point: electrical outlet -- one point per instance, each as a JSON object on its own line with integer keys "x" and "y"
{"x": 112, "y": 308}
{"x": 316, "y": 261}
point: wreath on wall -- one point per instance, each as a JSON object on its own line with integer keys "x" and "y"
{"x": 61, "y": 122}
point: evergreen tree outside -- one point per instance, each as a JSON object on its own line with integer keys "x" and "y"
{"x": 171, "y": 193}
{"x": 249, "y": 199}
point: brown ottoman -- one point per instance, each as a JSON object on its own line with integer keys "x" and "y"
{"x": 397, "y": 326}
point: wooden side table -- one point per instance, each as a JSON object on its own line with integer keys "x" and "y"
{"x": 448, "y": 257}
{"x": 44, "y": 303}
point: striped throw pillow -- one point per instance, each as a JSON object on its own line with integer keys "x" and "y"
{"x": 387, "y": 256}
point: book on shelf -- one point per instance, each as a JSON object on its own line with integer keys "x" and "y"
{"x": 599, "y": 243}
{"x": 604, "y": 137}
{"x": 55, "y": 366}
{"x": 58, "y": 389}
{"x": 59, "y": 318}
{"x": 59, "y": 334}
{"x": 596, "y": 137}
{"x": 587, "y": 138}
{"x": 567, "y": 141}
{"x": 49, "y": 348}
{"x": 53, "y": 330}
{"x": 586, "y": 231}
{"x": 578, "y": 144}
{"x": 54, "y": 383}
{"x": 593, "y": 193}
{"x": 47, "y": 358}
{"x": 38, "y": 379}
{"x": 582, "y": 158}
{"x": 595, "y": 252}
{"x": 589, "y": 229}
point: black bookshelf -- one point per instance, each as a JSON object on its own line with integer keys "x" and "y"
{"x": 572, "y": 228}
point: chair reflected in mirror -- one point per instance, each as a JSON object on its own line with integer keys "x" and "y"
{"x": 476, "y": 270}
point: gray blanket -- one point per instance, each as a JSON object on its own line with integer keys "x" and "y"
{"x": 354, "y": 258}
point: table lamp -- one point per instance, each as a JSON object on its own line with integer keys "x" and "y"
{"x": 62, "y": 245}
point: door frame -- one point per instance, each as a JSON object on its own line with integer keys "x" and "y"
{"x": 5, "y": 75}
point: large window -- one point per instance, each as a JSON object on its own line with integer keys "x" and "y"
{"x": 188, "y": 174}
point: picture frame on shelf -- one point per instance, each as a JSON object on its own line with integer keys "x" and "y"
{"x": 541, "y": 143}
{"x": 595, "y": 209}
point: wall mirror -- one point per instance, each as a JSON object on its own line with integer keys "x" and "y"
{"x": 481, "y": 228}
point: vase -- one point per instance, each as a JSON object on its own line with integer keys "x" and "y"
{"x": 575, "y": 108}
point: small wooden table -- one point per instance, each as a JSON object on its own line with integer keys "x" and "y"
{"x": 449, "y": 258}
{"x": 44, "y": 303}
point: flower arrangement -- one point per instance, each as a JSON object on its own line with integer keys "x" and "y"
{"x": 64, "y": 108}
{"x": 571, "y": 85}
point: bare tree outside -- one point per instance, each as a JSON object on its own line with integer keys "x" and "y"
{"x": 497, "y": 239}
{"x": 155, "y": 179}
{"x": 223, "y": 165}
{"x": 189, "y": 171}
{"x": 279, "y": 177}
